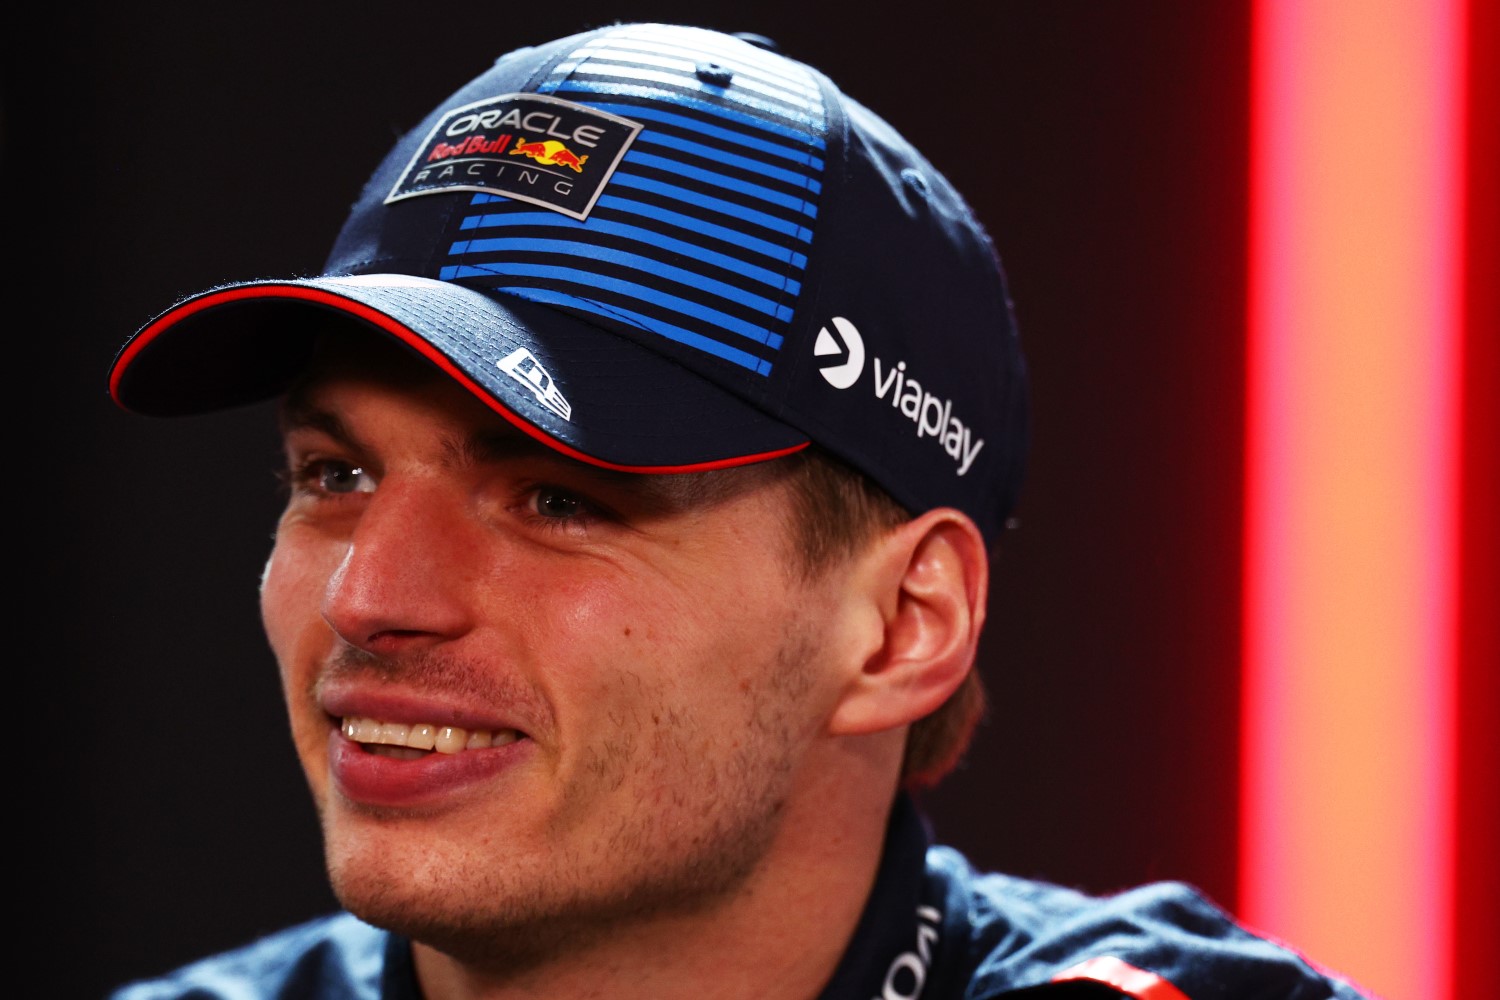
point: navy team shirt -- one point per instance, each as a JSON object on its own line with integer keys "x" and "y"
{"x": 934, "y": 928}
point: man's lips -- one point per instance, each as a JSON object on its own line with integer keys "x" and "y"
{"x": 399, "y": 765}
{"x": 422, "y": 736}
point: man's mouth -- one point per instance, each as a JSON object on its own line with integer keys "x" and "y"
{"x": 408, "y": 741}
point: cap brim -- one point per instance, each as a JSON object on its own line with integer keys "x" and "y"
{"x": 571, "y": 384}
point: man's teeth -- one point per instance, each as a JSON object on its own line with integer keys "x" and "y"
{"x": 423, "y": 736}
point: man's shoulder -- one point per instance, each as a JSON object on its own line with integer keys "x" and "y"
{"x": 1162, "y": 939}
{"x": 336, "y": 957}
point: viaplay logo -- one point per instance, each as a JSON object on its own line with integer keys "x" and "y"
{"x": 932, "y": 414}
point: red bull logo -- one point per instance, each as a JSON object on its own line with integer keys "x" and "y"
{"x": 549, "y": 153}
{"x": 474, "y": 145}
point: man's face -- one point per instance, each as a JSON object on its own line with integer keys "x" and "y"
{"x": 647, "y": 669}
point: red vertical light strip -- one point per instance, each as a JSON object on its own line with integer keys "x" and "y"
{"x": 1478, "y": 860}
{"x": 1350, "y": 655}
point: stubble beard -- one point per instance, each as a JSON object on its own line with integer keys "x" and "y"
{"x": 670, "y": 861}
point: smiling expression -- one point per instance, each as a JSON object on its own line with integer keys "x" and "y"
{"x": 532, "y": 698}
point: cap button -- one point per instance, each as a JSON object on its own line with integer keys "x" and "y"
{"x": 915, "y": 180}
{"x": 761, "y": 41}
{"x": 714, "y": 74}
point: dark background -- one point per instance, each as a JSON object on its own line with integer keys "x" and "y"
{"x": 152, "y": 152}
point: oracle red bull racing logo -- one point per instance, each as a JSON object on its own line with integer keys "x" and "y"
{"x": 530, "y": 147}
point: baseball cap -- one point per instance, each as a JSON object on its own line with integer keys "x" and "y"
{"x": 655, "y": 248}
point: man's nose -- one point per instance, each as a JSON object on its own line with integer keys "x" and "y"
{"x": 403, "y": 580}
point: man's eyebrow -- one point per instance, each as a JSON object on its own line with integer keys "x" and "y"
{"x": 299, "y": 413}
{"x": 496, "y": 446}
{"x": 503, "y": 444}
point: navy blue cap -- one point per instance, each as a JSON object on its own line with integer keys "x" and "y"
{"x": 656, "y": 248}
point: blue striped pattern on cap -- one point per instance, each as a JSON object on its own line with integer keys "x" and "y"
{"x": 702, "y": 234}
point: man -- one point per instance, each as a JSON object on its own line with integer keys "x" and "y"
{"x": 646, "y": 439}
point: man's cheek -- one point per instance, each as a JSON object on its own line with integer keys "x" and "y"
{"x": 291, "y": 593}
{"x": 293, "y": 584}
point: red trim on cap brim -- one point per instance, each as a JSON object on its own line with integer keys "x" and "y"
{"x": 415, "y": 340}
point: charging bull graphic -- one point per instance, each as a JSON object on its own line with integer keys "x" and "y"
{"x": 549, "y": 153}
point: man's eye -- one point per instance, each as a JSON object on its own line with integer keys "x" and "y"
{"x": 342, "y": 477}
{"x": 556, "y": 503}
{"x": 334, "y": 477}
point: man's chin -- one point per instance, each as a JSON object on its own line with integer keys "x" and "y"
{"x": 512, "y": 922}
{"x": 505, "y": 938}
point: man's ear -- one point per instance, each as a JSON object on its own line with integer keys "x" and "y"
{"x": 930, "y": 580}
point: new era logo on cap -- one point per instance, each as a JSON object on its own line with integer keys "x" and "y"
{"x": 530, "y": 147}
{"x": 523, "y": 366}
